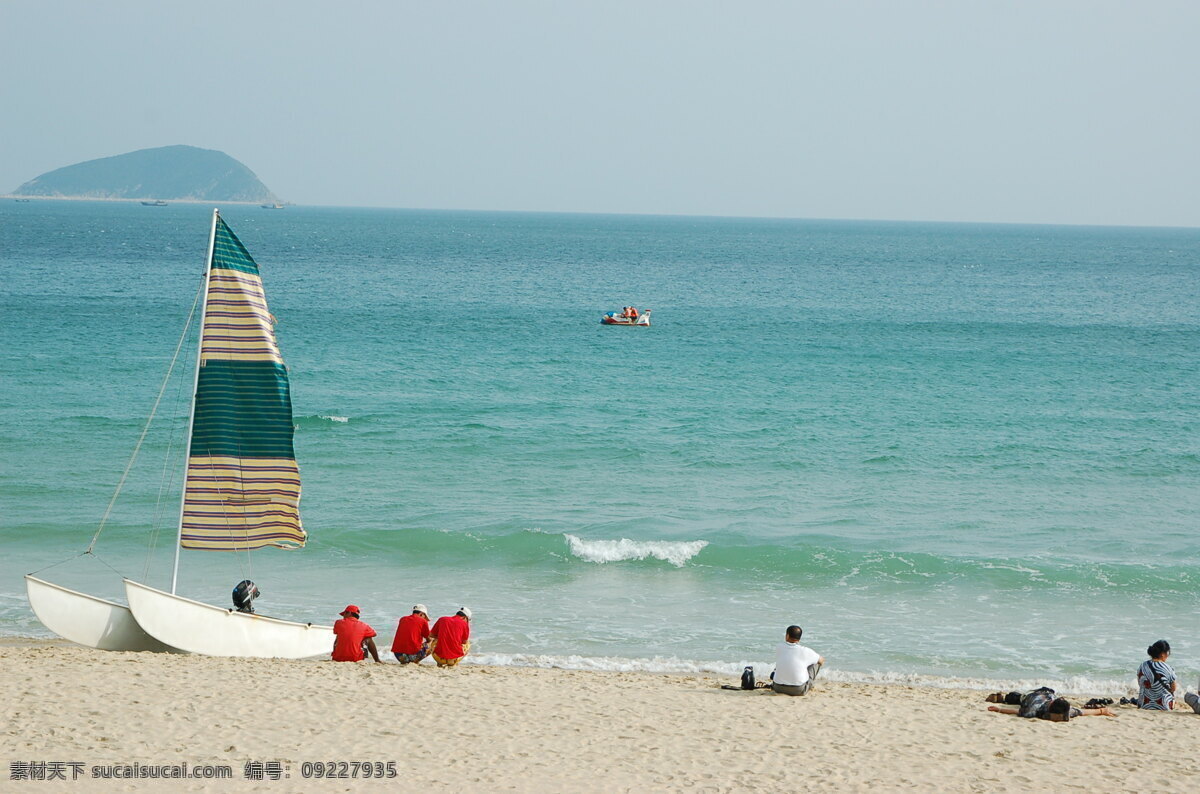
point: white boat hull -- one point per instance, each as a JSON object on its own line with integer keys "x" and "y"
{"x": 201, "y": 628}
{"x": 88, "y": 620}
{"x": 612, "y": 318}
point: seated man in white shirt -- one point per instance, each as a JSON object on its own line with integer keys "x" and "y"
{"x": 795, "y": 665}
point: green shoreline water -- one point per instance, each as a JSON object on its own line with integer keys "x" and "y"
{"x": 947, "y": 449}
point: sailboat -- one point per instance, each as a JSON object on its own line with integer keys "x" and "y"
{"x": 241, "y": 487}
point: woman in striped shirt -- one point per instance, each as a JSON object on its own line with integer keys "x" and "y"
{"x": 1156, "y": 679}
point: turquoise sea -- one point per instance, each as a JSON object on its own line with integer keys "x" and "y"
{"x": 951, "y": 452}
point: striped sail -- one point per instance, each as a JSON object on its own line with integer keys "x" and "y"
{"x": 243, "y": 484}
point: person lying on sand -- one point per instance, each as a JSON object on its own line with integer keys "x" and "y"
{"x": 796, "y": 667}
{"x": 1041, "y": 704}
{"x": 1060, "y": 710}
{"x": 1014, "y": 699}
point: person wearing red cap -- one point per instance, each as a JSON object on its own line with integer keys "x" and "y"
{"x": 350, "y": 635}
{"x": 449, "y": 639}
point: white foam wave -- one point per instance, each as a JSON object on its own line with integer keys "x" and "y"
{"x": 333, "y": 418}
{"x": 675, "y": 552}
{"x": 1070, "y": 685}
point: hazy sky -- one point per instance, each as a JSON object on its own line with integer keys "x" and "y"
{"x": 1044, "y": 111}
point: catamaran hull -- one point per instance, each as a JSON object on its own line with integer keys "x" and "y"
{"x": 88, "y": 620}
{"x": 201, "y": 628}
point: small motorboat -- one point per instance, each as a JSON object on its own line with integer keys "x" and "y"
{"x": 625, "y": 318}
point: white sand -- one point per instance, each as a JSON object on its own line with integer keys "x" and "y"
{"x": 489, "y": 728}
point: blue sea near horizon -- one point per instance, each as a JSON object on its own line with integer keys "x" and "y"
{"x": 952, "y": 452}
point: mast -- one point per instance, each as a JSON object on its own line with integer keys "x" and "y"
{"x": 212, "y": 236}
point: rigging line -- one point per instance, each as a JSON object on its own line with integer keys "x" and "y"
{"x": 56, "y": 564}
{"x": 167, "y": 478}
{"x": 105, "y": 564}
{"x": 249, "y": 569}
{"x": 168, "y": 482}
{"x": 225, "y": 514}
{"x": 229, "y": 524}
{"x": 137, "y": 447}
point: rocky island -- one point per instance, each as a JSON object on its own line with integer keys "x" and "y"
{"x": 176, "y": 173}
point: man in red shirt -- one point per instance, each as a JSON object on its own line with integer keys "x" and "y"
{"x": 349, "y": 636}
{"x": 412, "y": 636}
{"x": 449, "y": 640}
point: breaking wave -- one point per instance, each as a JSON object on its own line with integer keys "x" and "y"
{"x": 601, "y": 551}
{"x": 321, "y": 419}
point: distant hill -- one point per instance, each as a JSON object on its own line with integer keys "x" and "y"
{"x": 168, "y": 172}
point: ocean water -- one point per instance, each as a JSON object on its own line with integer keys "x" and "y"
{"x": 953, "y": 453}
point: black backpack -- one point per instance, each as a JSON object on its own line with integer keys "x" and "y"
{"x": 1036, "y": 703}
{"x": 748, "y": 678}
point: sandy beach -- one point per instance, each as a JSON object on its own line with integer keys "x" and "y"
{"x": 494, "y": 728}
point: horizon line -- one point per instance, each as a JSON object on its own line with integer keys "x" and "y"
{"x": 287, "y": 204}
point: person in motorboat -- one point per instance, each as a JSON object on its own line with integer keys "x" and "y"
{"x": 629, "y": 315}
